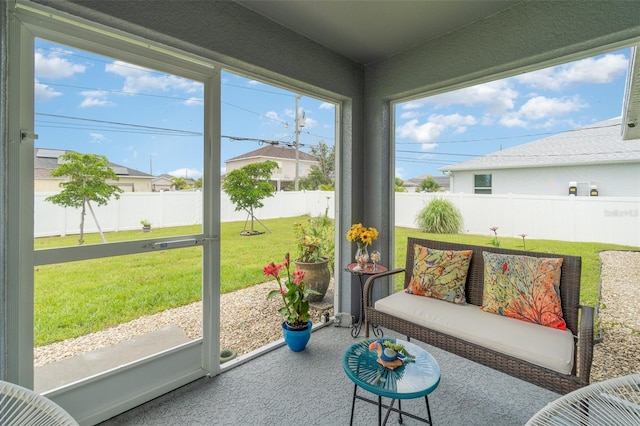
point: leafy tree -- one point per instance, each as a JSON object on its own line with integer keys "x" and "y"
{"x": 398, "y": 183}
{"x": 87, "y": 175}
{"x": 324, "y": 172}
{"x": 440, "y": 217}
{"x": 428, "y": 185}
{"x": 314, "y": 179}
{"x": 248, "y": 185}
{"x": 179, "y": 183}
{"x": 198, "y": 183}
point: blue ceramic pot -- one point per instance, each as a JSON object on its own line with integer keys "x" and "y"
{"x": 296, "y": 339}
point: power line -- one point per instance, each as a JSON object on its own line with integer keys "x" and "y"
{"x": 261, "y": 141}
{"x": 176, "y": 132}
{"x": 438, "y": 153}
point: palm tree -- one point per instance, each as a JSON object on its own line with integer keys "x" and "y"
{"x": 179, "y": 183}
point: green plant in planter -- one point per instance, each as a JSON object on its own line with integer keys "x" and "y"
{"x": 314, "y": 240}
{"x": 398, "y": 348}
{"x": 145, "y": 222}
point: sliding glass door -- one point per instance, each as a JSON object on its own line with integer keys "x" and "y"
{"x": 119, "y": 180}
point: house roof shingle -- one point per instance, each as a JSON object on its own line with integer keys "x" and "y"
{"x": 599, "y": 143}
{"x": 46, "y": 160}
{"x": 272, "y": 151}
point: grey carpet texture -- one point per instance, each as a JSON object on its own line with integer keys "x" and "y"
{"x": 310, "y": 387}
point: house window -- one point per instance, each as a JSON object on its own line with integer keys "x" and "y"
{"x": 482, "y": 184}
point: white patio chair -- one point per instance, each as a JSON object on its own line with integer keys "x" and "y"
{"x": 613, "y": 402}
{"x": 20, "y": 406}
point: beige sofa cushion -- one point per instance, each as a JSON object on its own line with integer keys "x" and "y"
{"x": 544, "y": 346}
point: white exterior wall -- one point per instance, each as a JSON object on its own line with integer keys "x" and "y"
{"x": 286, "y": 170}
{"x": 619, "y": 180}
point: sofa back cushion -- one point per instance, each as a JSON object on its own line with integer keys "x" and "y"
{"x": 523, "y": 287}
{"x": 440, "y": 274}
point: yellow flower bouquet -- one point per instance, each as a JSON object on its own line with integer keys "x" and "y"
{"x": 363, "y": 237}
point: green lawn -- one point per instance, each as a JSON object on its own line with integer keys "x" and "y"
{"x": 77, "y": 298}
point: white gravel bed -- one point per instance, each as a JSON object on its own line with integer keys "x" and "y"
{"x": 250, "y": 321}
{"x": 619, "y": 352}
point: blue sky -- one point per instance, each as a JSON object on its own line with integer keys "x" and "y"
{"x": 152, "y": 122}
{"x": 457, "y": 126}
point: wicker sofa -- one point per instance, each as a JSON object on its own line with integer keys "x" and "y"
{"x": 579, "y": 320}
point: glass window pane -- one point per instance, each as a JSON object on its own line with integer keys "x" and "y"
{"x": 94, "y": 315}
{"x": 139, "y": 129}
{"x": 482, "y": 181}
{"x": 260, "y": 123}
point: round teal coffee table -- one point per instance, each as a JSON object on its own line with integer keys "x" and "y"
{"x": 416, "y": 378}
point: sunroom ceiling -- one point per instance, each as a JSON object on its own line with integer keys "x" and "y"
{"x": 368, "y": 31}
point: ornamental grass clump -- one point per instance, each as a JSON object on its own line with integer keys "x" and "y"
{"x": 293, "y": 291}
{"x": 440, "y": 217}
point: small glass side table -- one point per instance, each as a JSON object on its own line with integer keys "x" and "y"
{"x": 416, "y": 378}
{"x": 363, "y": 275}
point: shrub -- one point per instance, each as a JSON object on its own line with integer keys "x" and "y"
{"x": 439, "y": 217}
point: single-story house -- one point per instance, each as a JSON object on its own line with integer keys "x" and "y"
{"x": 413, "y": 183}
{"x": 593, "y": 160}
{"x": 284, "y": 175}
{"x": 46, "y": 160}
{"x": 161, "y": 183}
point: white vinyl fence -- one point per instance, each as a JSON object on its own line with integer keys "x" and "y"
{"x": 613, "y": 220}
{"x": 172, "y": 208}
{"x": 589, "y": 219}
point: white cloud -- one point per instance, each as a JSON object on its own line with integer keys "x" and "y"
{"x": 94, "y": 98}
{"x": 410, "y": 114}
{"x": 413, "y": 104}
{"x": 194, "y": 101}
{"x": 309, "y": 123}
{"x": 139, "y": 79}
{"x": 541, "y": 107}
{"x": 44, "y": 92}
{"x": 273, "y": 116}
{"x": 97, "y": 138}
{"x": 498, "y": 97}
{"x": 400, "y": 172}
{"x": 186, "y": 173}
{"x": 54, "y": 65}
{"x": 327, "y": 105}
{"x": 428, "y": 132}
{"x": 591, "y": 70}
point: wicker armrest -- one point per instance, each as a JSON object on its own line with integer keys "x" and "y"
{"x": 585, "y": 343}
{"x": 368, "y": 286}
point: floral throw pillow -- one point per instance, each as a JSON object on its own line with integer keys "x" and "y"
{"x": 440, "y": 274}
{"x": 523, "y": 287}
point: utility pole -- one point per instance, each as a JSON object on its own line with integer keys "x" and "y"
{"x": 297, "y": 130}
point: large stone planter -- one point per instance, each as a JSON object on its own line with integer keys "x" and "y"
{"x": 317, "y": 278}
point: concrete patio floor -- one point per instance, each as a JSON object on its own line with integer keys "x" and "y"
{"x": 310, "y": 387}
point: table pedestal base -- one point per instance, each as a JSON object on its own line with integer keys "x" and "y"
{"x": 389, "y": 408}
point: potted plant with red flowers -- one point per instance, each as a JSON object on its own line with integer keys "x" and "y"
{"x": 297, "y": 325}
